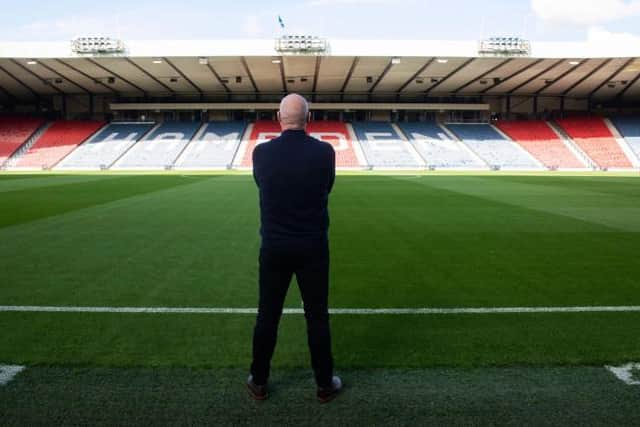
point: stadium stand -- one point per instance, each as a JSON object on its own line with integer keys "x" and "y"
{"x": 336, "y": 134}
{"x": 263, "y": 130}
{"x": 437, "y": 148}
{"x": 491, "y": 146}
{"x": 60, "y": 139}
{"x": 14, "y": 131}
{"x": 333, "y": 132}
{"x": 383, "y": 147}
{"x": 160, "y": 148}
{"x": 596, "y": 140}
{"x": 629, "y": 128}
{"x": 103, "y": 149}
{"x": 214, "y": 147}
{"x": 542, "y": 142}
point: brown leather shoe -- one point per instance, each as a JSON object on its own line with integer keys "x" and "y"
{"x": 329, "y": 393}
{"x": 257, "y": 392}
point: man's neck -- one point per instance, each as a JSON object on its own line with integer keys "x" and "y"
{"x": 293, "y": 128}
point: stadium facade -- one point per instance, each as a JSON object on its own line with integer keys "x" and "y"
{"x": 100, "y": 103}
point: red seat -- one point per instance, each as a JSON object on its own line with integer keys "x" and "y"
{"x": 541, "y": 142}
{"x": 57, "y": 142}
{"x": 333, "y": 132}
{"x": 596, "y": 140}
{"x": 14, "y": 131}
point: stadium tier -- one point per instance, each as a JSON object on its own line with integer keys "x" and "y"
{"x": 629, "y": 128}
{"x": 160, "y": 148}
{"x": 105, "y": 148}
{"x": 541, "y": 142}
{"x": 213, "y": 147}
{"x": 337, "y": 134}
{"x": 438, "y": 149}
{"x": 333, "y": 132}
{"x": 593, "y": 136}
{"x": 492, "y": 147}
{"x": 384, "y": 148}
{"x": 69, "y": 145}
{"x": 14, "y": 131}
{"x": 60, "y": 139}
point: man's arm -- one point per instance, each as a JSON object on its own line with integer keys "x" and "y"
{"x": 332, "y": 167}
{"x": 256, "y": 166}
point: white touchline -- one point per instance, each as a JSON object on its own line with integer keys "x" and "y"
{"x": 7, "y": 372}
{"x": 625, "y": 373}
{"x": 354, "y": 311}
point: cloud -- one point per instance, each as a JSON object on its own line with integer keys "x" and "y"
{"x": 251, "y": 26}
{"x": 351, "y": 2}
{"x": 584, "y": 12}
{"x": 601, "y": 35}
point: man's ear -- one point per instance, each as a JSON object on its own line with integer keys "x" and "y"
{"x": 309, "y": 117}
{"x": 278, "y": 115}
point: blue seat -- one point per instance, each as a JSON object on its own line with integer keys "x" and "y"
{"x": 492, "y": 147}
{"x": 437, "y": 148}
{"x": 383, "y": 147}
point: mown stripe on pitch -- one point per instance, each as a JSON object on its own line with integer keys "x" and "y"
{"x": 352, "y": 311}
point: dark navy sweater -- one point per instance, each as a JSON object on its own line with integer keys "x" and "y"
{"x": 294, "y": 174}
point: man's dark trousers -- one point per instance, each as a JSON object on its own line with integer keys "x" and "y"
{"x": 310, "y": 264}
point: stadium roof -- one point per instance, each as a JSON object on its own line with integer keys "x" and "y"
{"x": 402, "y": 67}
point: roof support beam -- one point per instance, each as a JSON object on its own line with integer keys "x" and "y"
{"x": 350, "y": 73}
{"x": 448, "y": 76}
{"x": 316, "y": 73}
{"x": 20, "y": 82}
{"x": 249, "y": 73}
{"x": 282, "y": 76}
{"x": 384, "y": 73}
{"x": 626, "y": 88}
{"x": 148, "y": 74}
{"x": 37, "y": 76}
{"x": 612, "y": 76}
{"x": 512, "y": 75}
{"x": 538, "y": 75}
{"x": 482, "y": 76}
{"x": 415, "y": 75}
{"x": 118, "y": 76}
{"x": 588, "y": 75}
{"x": 7, "y": 93}
{"x": 184, "y": 76}
{"x": 82, "y": 73}
{"x": 560, "y": 77}
{"x": 79, "y": 86}
{"x": 218, "y": 78}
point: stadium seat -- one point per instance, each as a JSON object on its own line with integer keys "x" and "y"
{"x": 383, "y": 147}
{"x": 160, "y": 148}
{"x": 542, "y": 142}
{"x": 437, "y": 148}
{"x": 629, "y": 128}
{"x": 491, "y": 146}
{"x": 333, "y": 132}
{"x": 14, "y": 131}
{"x": 214, "y": 147}
{"x": 60, "y": 139}
{"x": 594, "y": 138}
{"x": 106, "y": 146}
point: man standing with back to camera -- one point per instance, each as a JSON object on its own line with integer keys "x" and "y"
{"x": 294, "y": 174}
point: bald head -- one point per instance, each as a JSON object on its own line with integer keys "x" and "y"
{"x": 294, "y": 112}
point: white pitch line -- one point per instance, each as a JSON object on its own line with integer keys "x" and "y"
{"x": 354, "y": 311}
{"x": 625, "y": 373}
{"x": 7, "y": 372}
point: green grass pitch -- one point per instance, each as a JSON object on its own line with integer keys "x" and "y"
{"x": 396, "y": 241}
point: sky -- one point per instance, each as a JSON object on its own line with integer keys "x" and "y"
{"x": 538, "y": 20}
